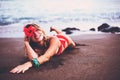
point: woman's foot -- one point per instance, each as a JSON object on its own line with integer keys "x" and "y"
{"x": 51, "y": 29}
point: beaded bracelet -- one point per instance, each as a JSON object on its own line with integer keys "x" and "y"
{"x": 35, "y": 63}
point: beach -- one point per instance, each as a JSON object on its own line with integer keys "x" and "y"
{"x": 95, "y": 58}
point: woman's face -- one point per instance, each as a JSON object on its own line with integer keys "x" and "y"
{"x": 37, "y": 36}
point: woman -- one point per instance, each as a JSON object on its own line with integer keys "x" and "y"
{"x": 40, "y": 48}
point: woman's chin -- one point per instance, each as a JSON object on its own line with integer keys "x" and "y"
{"x": 40, "y": 38}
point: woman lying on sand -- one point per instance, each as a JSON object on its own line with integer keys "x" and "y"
{"x": 39, "y": 48}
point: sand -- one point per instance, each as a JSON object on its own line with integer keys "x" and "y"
{"x": 97, "y": 58}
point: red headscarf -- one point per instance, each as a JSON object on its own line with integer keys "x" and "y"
{"x": 29, "y": 31}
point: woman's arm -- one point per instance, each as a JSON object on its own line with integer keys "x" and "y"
{"x": 23, "y": 67}
{"x": 51, "y": 51}
{"x": 30, "y": 53}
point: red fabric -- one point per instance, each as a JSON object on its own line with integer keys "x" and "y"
{"x": 29, "y": 31}
{"x": 63, "y": 41}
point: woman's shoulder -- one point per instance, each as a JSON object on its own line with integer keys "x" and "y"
{"x": 53, "y": 38}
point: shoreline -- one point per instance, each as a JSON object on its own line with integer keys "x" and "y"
{"x": 74, "y": 33}
{"x": 16, "y": 30}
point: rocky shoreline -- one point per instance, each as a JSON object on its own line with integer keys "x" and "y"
{"x": 105, "y": 27}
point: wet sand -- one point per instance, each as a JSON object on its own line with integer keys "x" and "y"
{"x": 96, "y": 58}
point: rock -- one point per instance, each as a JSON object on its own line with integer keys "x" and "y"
{"x": 103, "y": 26}
{"x": 92, "y": 29}
{"x": 70, "y": 30}
{"x": 112, "y": 29}
{"x": 107, "y": 28}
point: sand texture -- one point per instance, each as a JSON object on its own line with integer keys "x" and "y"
{"x": 97, "y": 57}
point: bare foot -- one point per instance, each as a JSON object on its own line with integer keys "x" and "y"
{"x": 51, "y": 29}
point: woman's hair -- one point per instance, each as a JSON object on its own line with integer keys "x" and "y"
{"x": 33, "y": 44}
{"x": 37, "y": 27}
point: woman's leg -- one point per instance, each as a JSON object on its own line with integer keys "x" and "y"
{"x": 56, "y": 30}
{"x": 71, "y": 42}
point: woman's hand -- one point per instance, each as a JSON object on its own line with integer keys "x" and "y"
{"x": 21, "y": 68}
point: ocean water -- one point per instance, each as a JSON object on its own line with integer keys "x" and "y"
{"x": 82, "y": 14}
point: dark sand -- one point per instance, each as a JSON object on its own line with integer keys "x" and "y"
{"x": 97, "y": 58}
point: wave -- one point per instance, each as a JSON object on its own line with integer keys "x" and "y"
{"x": 64, "y": 17}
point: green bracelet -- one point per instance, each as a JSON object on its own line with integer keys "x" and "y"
{"x": 35, "y": 63}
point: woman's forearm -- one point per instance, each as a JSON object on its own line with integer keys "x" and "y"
{"x": 28, "y": 48}
{"x": 42, "y": 59}
{"x": 30, "y": 52}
